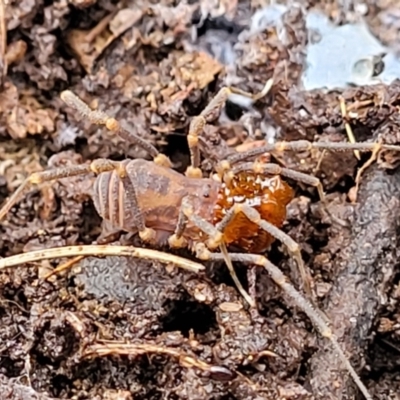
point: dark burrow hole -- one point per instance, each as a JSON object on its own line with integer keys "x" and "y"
{"x": 219, "y": 23}
{"x": 59, "y": 384}
{"x": 54, "y": 345}
{"x": 3, "y": 189}
{"x": 91, "y": 224}
{"x": 269, "y": 308}
{"x": 10, "y": 367}
{"x": 383, "y": 354}
{"x": 177, "y": 150}
{"x": 302, "y": 372}
{"x": 396, "y": 278}
{"x": 219, "y": 273}
{"x": 233, "y": 111}
{"x": 185, "y": 315}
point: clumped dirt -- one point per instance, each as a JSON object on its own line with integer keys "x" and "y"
{"x": 175, "y": 334}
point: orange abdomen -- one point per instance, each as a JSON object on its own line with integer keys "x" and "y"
{"x": 268, "y": 195}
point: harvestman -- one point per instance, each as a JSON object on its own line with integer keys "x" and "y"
{"x": 149, "y": 197}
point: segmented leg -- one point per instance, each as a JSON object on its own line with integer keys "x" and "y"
{"x": 275, "y": 169}
{"x": 215, "y": 234}
{"x": 286, "y": 240}
{"x": 209, "y": 114}
{"x": 97, "y": 167}
{"x": 299, "y": 145}
{"x": 177, "y": 240}
{"x": 202, "y": 253}
{"x": 316, "y": 316}
{"x": 101, "y": 118}
{"x": 187, "y": 213}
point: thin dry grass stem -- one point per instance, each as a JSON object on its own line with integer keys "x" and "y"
{"x": 63, "y": 267}
{"x": 100, "y": 250}
{"x": 255, "y": 97}
{"x": 137, "y": 349}
{"x": 359, "y": 104}
{"x": 347, "y": 126}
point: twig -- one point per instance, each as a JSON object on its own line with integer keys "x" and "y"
{"x": 100, "y": 250}
{"x": 347, "y": 126}
{"x": 63, "y": 267}
{"x": 136, "y": 349}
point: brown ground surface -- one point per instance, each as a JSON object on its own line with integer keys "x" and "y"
{"x": 155, "y": 65}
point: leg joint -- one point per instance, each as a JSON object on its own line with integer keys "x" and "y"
{"x": 36, "y": 178}
{"x": 215, "y": 240}
{"x": 112, "y": 124}
{"x": 193, "y": 172}
{"x": 177, "y": 242}
{"x": 196, "y": 126}
{"x": 148, "y": 235}
{"x": 202, "y": 253}
{"x": 162, "y": 160}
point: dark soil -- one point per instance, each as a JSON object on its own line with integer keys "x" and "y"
{"x": 155, "y": 65}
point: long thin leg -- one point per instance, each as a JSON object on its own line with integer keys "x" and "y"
{"x": 286, "y": 240}
{"x": 301, "y": 145}
{"x": 97, "y": 167}
{"x": 275, "y": 169}
{"x": 101, "y": 118}
{"x": 177, "y": 240}
{"x": 146, "y": 234}
{"x": 215, "y": 234}
{"x": 216, "y": 240}
{"x": 316, "y": 316}
{"x": 292, "y": 246}
{"x": 44, "y": 176}
{"x": 202, "y": 253}
{"x": 209, "y": 114}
